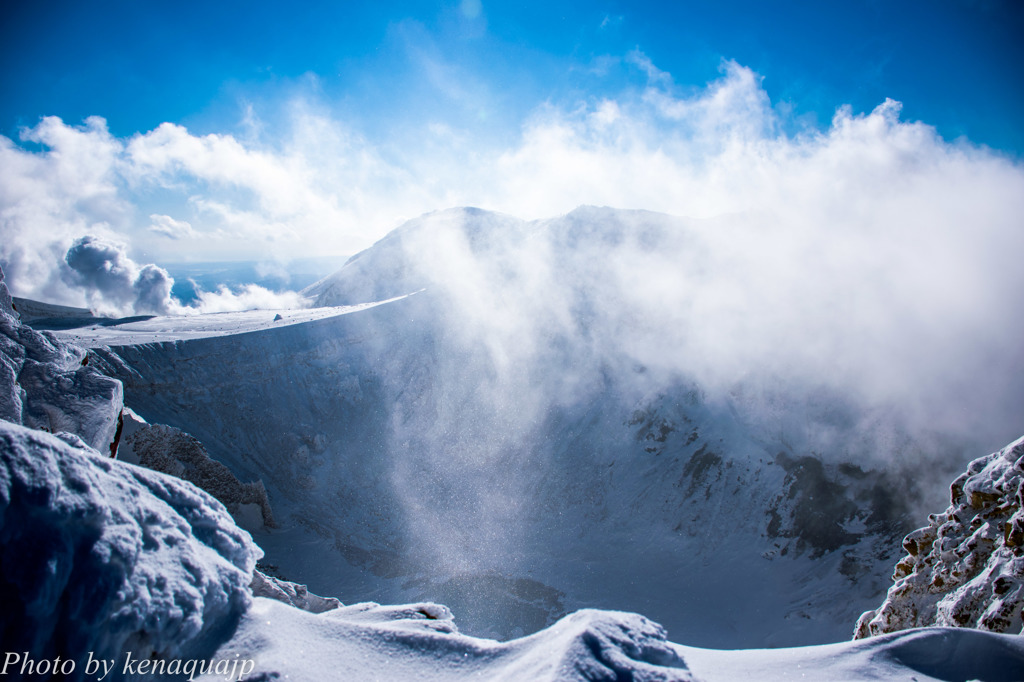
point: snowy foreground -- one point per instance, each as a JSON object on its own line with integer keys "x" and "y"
{"x": 105, "y": 564}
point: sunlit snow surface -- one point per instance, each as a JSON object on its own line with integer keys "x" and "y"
{"x": 98, "y": 557}
{"x": 371, "y": 642}
{"x": 158, "y": 328}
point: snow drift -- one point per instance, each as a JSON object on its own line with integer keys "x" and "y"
{"x": 418, "y": 641}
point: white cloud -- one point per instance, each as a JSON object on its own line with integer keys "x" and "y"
{"x": 874, "y": 220}
{"x": 640, "y": 60}
{"x": 115, "y": 284}
{"x": 51, "y": 197}
{"x": 167, "y": 226}
{"x": 247, "y": 297}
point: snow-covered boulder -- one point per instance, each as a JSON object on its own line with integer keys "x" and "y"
{"x": 99, "y": 558}
{"x": 48, "y": 384}
{"x": 966, "y": 567}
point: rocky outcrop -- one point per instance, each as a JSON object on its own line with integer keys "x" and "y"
{"x": 49, "y": 385}
{"x": 172, "y": 451}
{"x": 966, "y": 567}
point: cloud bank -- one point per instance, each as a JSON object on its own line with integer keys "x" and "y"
{"x": 115, "y": 285}
{"x": 871, "y": 196}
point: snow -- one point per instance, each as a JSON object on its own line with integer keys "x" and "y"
{"x": 100, "y": 558}
{"x": 419, "y": 641}
{"x": 158, "y": 328}
{"x": 911, "y": 655}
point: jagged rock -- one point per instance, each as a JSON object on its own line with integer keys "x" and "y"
{"x": 264, "y": 585}
{"x": 6, "y": 302}
{"x": 172, "y": 451}
{"x": 47, "y": 384}
{"x": 966, "y": 568}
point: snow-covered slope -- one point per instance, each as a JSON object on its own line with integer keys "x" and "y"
{"x": 966, "y": 568}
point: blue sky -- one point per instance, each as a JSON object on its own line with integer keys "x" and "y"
{"x": 195, "y": 131}
{"x": 956, "y": 64}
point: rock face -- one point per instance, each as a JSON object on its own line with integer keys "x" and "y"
{"x": 966, "y": 567}
{"x": 172, "y": 451}
{"x": 100, "y": 558}
{"x": 49, "y": 384}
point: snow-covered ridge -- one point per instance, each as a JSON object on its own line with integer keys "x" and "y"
{"x": 966, "y": 567}
{"x": 171, "y": 451}
{"x": 419, "y": 641}
{"x": 296, "y": 595}
{"x": 95, "y": 332}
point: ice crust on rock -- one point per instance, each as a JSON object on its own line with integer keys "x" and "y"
{"x": 296, "y": 595}
{"x": 6, "y": 301}
{"x": 48, "y": 384}
{"x": 104, "y": 557}
{"x": 966, "y": 567}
